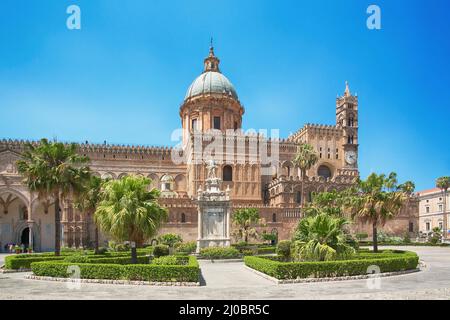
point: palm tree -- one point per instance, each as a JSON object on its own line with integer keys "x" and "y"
{"x": 244, "y": 220}
{"x": 320, "y": 238}
{"x": 88, "y": 200}
{"x": 53, "y": 170}
{"x": 305, "y": 158}
{"x": 407, "y": 187}
{"x": 391, "y": 181}
{"x": 374, "y": 203}
{"x": 128, "y": 211}
{"x": 443, "y": 183}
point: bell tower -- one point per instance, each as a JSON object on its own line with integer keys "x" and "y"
{"x": 347, "y": 120}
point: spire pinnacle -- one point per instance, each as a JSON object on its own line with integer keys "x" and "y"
{"x": 347, "y": 89}
{"x": 211, "y": 62}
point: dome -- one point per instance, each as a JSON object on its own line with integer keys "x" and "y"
{"x": 211, "y": 82}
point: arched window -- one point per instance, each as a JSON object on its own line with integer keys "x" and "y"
{"x": 274, "y": 217}
{"x": 183, "y": 218}
{"x": 298, "y": 197}
{"x": 227, "y": 173}
{"x": 324, "y": 171}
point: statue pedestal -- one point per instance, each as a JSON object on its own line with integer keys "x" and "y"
{"x": 213, "y": 215}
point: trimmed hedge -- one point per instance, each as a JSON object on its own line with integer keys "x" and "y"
{"x": 171, "y": 260}
{"x": 24, "y": 261}
{"x": 411, "y": 244}
{"x": 138, "y": 272}
{"x": 292, "y": 270}
{"x": 219, "y": 253}
{"x": 17, "y": 262}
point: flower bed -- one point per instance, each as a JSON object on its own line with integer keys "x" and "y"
{"x": 133, "y": 272}
{"x": 386, "y": 261}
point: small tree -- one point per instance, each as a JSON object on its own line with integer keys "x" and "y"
{"x": 305, "y": 158}
{"x": 320, "y": 238}
{"x": 88, "y": 200}
{"x": 244, "y": 221}
{"x": 373, "y": 202}
{"x": 443, "y": 183}
{"x": 128, "y": 211}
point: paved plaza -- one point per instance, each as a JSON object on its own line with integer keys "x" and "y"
{"x": 232, "y": 280}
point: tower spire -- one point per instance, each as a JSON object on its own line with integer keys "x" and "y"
{"x": 347, "y": 90}
{"x": 211, "y": 62}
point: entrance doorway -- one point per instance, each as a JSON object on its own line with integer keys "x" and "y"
{"x": 25, "y": 237}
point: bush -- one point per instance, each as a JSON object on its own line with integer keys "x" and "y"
{"x": 169, "y": 239}
{"x": 361, "y": 236}
{"x": 284, "y": 249}
{"x": 77, "y": 258}
{"x": 161, "y": 250}
{"x": 171, "y": 260}
{"x": 219, "y": 253}
{"x": 186, "y": 247}
{"x": 139, "y": 272}
{"x": 102, "y": 250}
{"x": 292, "y": 270}
{"x": 24, "y": 261}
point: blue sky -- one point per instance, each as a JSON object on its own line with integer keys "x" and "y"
{"x": 123, "y": 76}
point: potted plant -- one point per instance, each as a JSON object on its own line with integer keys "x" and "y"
{"x": 17, "y": 249}
{"x": 30, "y": 250}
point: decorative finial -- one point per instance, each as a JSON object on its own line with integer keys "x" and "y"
{"x": 347, "y": 89}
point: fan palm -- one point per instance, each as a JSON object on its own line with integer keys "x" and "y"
{"x": 88, "y": 200}
{"x": 407, "y": 187}
{"x": 53, "y": 170}
{"x": 305, "y": 158}
{"x": 443, "y": 183}
{"x": 375, "y": 204}
{"x": 244, "y": 221}
{"x": 128, "y": 211}
{"x": 321, "y": 238}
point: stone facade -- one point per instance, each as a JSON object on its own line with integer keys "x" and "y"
{"x": 211, "y": 111}
{"x": 431, "y": 210}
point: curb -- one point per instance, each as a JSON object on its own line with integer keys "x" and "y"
{"x": 335, "y": 279}
{"x": 119, "y": 282}
{"x": 220, "y": 260}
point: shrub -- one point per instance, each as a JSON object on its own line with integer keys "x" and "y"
{"x": 77, "y": 258}
{"x": 320, "y": 269}
{"x": 219, "y": 253}
{"x": 102, "y": 250}
{"x": 169, "y": 260}
{"x": 139, "y": 272}
{"x": 169, "y": 239}
{"x": 361, "y": 236}
{"x": 284, "y": 249}
{"x": 17, "y": 262}
{"x": 161, "y": 250}
{"x": 406, "y": 238}
{"x": 186, "y": 247}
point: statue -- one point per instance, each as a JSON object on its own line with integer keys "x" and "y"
{"x": 211, "y": 165}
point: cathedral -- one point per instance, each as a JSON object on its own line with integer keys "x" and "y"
{"x": 211, "y": 118}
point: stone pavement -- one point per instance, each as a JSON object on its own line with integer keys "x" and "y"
{"x": 232, "y": 281}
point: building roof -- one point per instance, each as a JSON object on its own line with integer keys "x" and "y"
{"x": 429, "y": 191}
{"x": 211, "y": 82}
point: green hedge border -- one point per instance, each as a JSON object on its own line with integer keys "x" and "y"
{"x": 134, "y": 272}
{"x": 24, "y": 261}
{"x": 387, "y": 262}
